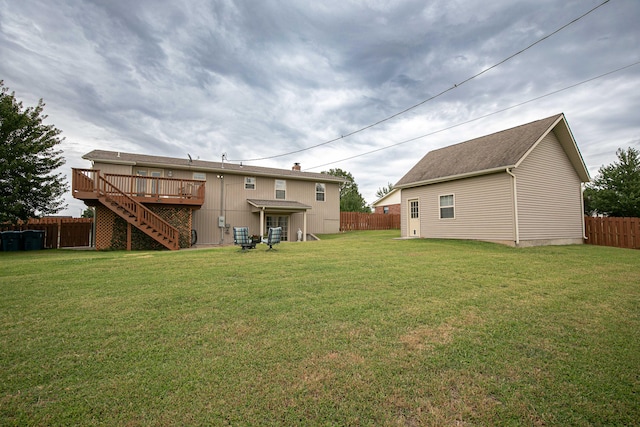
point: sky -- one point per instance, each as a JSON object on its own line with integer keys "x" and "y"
{"x": 263, "y": 81}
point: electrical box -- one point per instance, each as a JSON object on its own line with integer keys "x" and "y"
{"x": 220, "y": 221}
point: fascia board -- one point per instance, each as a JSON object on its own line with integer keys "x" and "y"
{"x": 569, "y": 146}
{"x": 455, "y": 177}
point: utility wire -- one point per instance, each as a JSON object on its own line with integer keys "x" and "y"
{"x": 477, "y": 118}
{"x": 455, "y": 86}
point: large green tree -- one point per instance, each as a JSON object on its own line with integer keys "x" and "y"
{"x": 350, "y": 198}
{"x": 616, "y": 189}
{"x": 29, "y": 186}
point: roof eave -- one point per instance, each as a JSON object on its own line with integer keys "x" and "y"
{"x": 454, "y": 177}
{"x": 386, "y": 196}
{"x": 112, "y": 161}
{"x": 220, "y": 170}
{"x": 297, "y": 207}
{"x": 569, "y": 145}
{"x": 568, "y": 142}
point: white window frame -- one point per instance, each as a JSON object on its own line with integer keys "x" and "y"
{"x": 414, "y": 209}
{"x": 323, "y": 192}
{"x": 200, "y": 176}
{"x": 451, "y": 206}
{"x": 249, "y": 182}
{"x": 281, "y": 185}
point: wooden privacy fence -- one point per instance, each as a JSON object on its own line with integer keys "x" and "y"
{"x": 58, "y": 232}
{"x": 618, "y": 232}
{"x": 363, "y": 221}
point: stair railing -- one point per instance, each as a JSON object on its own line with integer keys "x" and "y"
{"x": 142, "y": 215}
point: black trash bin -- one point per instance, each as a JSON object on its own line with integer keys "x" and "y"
{"x": 32, "y": 240}
{"x": 11, "y": 240}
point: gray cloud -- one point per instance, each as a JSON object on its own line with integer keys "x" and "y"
{"x": 257, "y": 79}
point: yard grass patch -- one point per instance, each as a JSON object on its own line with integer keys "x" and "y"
{"x": 355, "y": 329}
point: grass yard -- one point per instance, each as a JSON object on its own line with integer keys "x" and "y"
{"x": 356, "y": 329}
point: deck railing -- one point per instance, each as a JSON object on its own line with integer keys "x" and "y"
{"x": 155, "y": 189}
{"x": 158, "y": 187}
{"x": 84, "y": 180}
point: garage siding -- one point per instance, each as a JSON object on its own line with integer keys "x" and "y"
{"x": 483, "y": 209}
{"x": 549, "y": 194}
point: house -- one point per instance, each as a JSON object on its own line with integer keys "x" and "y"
{"x": 521, "y": 186}
{"x": 388, "y": 204}
{"x": 145, "y": 201}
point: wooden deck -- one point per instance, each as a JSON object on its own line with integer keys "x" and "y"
{"x": 143, "y": 189}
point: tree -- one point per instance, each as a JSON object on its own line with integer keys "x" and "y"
{"x": 616, "y": 189}
{"x": 350, "y": 198}
{"x": 29, "y": 187}
{"x": 88, "y": 213}
{"x": 383, "y": 191}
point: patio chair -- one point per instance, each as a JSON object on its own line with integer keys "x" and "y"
{"x": 241, "y": 238}
{"x": 273, "y": 237}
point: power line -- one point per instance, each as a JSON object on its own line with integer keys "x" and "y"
{"x": 477, "y": 118}
{"x": 455, "y": 86}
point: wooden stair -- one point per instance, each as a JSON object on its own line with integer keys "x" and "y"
{"x": 137, "y": 215}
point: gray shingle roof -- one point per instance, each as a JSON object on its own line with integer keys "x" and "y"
{"x": 202, "y": 165}
{"x": 491, "y": 152}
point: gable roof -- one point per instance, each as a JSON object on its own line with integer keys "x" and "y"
{"x": 116, "y": 157}
{"x": 493, "y": 153}
{"x": 392, "y": 196}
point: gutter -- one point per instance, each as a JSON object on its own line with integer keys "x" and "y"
{"x": 450, "y": 178}
{"x": 515, "y": 206}
{"x": 115, "y": 162}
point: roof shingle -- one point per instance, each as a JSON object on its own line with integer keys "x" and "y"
{"x": 498, "y": 150}
{"x": 202, "y": 165}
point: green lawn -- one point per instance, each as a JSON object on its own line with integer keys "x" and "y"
{"x": 356, "y": 329}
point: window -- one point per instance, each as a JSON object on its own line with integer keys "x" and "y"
{"x": 281, "y": 189}
{"x": 141, "y": 183}
{"x": 279, "y": 221}
{"x": 414, "y": 209}
{"x": 385, "y": 209}
{"x": 249, "y": 183}
{"x": 147, "y": 183}
{"x": 447, "y": 206}
{"x": 320, "y": 190}
{"x": 201, "y": 176}
{"x": 155, "y": 188}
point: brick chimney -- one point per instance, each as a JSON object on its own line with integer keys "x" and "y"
{"x": 296, "y": 167}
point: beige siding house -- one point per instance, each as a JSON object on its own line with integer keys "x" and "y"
{"x": 204, "y": 200}
{"x": 521, "y": 186}
{"x": 388, "y": 204}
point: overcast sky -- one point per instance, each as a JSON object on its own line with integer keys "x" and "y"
{"x": 256, "y": 79}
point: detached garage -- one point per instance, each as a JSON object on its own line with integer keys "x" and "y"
{"x": 521, "y": 186}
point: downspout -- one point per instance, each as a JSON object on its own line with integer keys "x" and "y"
{"x": 515, "y": 206}
{"x": 584, "y": 230}
{"x": 221, "y": 226}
